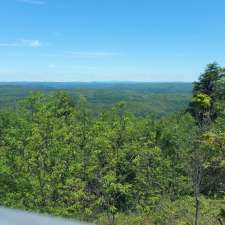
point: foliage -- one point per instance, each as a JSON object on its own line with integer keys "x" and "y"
{"x": 113, "y": 167}
{"x": 142, "y": 99}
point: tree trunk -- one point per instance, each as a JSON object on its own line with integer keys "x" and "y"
{"x": 112, "y": 219}
{"x": 220, "y": 221}
{"x": 197, "y": 182}
{"x": 197, "y": 210}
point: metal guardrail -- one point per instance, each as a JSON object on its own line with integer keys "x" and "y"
{"x": 16, "y": 217}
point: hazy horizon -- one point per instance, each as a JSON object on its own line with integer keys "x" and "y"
{"x": 94, "y": 81}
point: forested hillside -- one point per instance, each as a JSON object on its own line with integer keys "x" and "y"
{"x": 141, "y": 98}
{"x": 118, "y": 166}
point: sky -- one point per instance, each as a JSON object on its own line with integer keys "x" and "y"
{"x": 110, "y": 40}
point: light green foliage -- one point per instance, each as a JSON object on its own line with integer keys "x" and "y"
{"x": 202, "y": 100}
{"x": 167, "y": 212}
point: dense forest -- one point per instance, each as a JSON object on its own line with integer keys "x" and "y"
{"x": 141, "y": 99}
{"x": 118, "y": 166}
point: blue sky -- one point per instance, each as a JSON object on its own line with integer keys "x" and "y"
{"x": 91, "y": 40}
